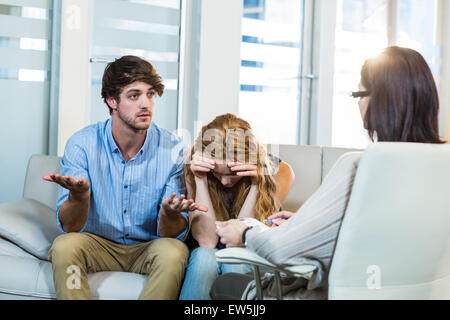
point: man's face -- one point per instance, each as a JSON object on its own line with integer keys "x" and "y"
{"x": 136, "y": 107}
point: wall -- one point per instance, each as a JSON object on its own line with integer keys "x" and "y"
{"x": 220, "y": 40}
{"x": 74, "y": 71}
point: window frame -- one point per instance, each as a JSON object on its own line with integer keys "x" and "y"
{"x": 320, "y": 127}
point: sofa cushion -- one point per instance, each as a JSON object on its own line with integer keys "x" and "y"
{"x": 10, "y": 249}
{"x": 30, "y": 225}
{"x": 35, "y": 187}
{"x": 30, "y": 277}
{"x": 306, "y": 161}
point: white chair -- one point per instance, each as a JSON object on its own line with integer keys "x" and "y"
{"x": 243, "y": 255}
{"x": 394, "y": 241}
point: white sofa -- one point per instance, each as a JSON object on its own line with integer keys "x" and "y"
{"x": 28, "y": 227}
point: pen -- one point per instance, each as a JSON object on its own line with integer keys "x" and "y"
{"x": 271, "y": 220}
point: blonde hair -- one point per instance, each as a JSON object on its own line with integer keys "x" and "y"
{"x": 231, "y": 138}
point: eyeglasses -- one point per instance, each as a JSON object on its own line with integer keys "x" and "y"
{"x": 359, "y": 94}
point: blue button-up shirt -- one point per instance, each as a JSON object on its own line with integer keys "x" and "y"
{"x": 125, "y": 196}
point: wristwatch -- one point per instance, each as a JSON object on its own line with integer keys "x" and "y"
{"x": 244, "y": 241}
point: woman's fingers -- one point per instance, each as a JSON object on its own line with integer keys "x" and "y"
{"x": 277, "y": 223}
{"x": 243, "y": 170}
{"x": 198, "y": 158}
{"x": 247, "y": 173}
{"x": 281, "y": 214}
{"x": 200, "y": 168}
{"x": 237, "y": 166}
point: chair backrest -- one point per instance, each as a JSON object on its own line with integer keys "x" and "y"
{"x": 310, "y": 165}
{"x": 38, "y": 189}
{"x": 394, "y": 241}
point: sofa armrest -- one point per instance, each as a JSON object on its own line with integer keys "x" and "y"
{"x": 30, "y": 225}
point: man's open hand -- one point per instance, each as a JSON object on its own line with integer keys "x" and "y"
{"x": 75, "y": 185}
{"x": 177, "y": 205}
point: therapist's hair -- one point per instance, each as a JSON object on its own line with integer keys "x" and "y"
{"x": 403, "y": 99}
{"x": 231, "y": 138}
{"x": 126, "y": 70}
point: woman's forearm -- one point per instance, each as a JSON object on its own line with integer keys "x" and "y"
{"x": 248, "y": 209}
{"x": 203, "y": 224}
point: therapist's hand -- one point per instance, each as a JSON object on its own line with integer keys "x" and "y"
{"x": 230, "y": 232}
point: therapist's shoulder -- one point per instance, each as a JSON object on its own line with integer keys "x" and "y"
{"x": 348, "y": 162}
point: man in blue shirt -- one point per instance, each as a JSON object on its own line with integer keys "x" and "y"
{"x": 118, "y": 205}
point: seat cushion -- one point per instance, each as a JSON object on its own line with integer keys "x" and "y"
{"x": 30, "y": 225}
{"x": 10, "y": 249}
{"x": 33, "y": 278}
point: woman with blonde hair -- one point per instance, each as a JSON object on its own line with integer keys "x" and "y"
{"x": 231, "y": 173}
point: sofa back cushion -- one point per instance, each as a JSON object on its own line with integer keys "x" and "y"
{"x": 330, "y": 155}
{"x": 306, "y": 162}
{"x": 310, "y": 164}
{"x": 38, "y": 189}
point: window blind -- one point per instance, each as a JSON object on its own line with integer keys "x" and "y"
{"x": 270, "y": 68}
{"x": 149, "y": 29}
{"x": 25, "y": 41}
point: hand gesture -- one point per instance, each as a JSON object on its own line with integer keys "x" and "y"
{"x": 75, "y": 185}
{"x": 230, "y": 232}
{"x": 201, "y": 165}
{"x": 280, "y": 217}
{"x": 177, "y": 205}
{"x": 245, "y": 170}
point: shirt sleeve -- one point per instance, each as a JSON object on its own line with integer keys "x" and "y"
{"x": 309, "y": 236}
{"x": 74, "y": 164}
{"x": 176, "y": 183}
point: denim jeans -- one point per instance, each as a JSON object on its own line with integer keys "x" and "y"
{"x": 201, "y": 272}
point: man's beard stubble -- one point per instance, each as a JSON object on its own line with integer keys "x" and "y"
{"x": 130, "y": 122}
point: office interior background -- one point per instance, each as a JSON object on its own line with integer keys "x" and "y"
{"x": 286, "y": 66}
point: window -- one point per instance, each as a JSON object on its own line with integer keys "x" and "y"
{"x": 146, "y": 28}
{"x": 25, "y": 42}
{"x": 363, "y": 29}
{"x": 271, "y": 49}
{"x": 417, "y": 29}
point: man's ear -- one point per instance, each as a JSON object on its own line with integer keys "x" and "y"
{"x": 112, "y": 103}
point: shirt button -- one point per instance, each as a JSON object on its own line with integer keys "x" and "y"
{"x": 125, "y": 186}
{"x": 125, "y": 211}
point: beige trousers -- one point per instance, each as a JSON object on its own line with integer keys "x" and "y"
{"x": 73, "y": 254}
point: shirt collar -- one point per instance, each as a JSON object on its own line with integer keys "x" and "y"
{"x": 113, "y": 146}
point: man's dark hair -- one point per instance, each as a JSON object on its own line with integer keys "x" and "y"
{"x": 126, "y": 70}
{"x": 404, "y": 103}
